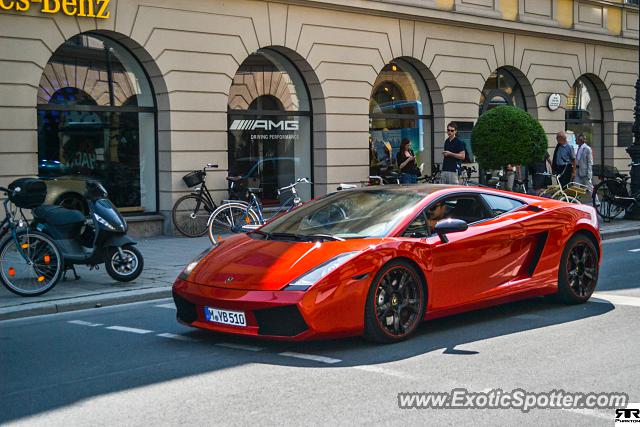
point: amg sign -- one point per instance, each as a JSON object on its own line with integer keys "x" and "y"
{"x": 264, "y": 124}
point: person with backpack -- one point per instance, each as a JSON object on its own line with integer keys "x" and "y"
{"x": 454, "y": 154}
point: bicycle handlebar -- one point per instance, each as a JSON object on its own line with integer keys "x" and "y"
{"x": 290, "y": 186}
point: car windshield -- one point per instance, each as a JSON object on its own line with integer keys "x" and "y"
{"x": 345, "y": 215}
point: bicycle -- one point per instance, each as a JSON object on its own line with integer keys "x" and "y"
{"x": 434, "y": 178}
{"x": 191, "y": 212}
{"x": 235, "y": 216}
{"x": 611, "y": 196}
{"x": 570, "y": 193}
{"x": 30, "y": 262}
{"x": 465, "y": 174}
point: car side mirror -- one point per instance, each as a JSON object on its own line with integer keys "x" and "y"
{"x": 450, "y": 225}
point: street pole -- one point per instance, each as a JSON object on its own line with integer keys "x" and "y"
{"x": 634, "y": 150}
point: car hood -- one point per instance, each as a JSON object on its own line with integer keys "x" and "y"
{"x": 243, "y": 263}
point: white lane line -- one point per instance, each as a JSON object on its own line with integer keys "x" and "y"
{"x": 592, "y": 413}
{"x": 175, "y": 337}
{"x": 313, "y": 357}
{"x": 168, "y": 305}
{"x": 528, "y": 317}
{"x": 616, "y": 299}
{"x": 239, "y": 346}
{"x": 634, "y": 250}
{"x": 83, "y": 323}
{"x": 384, "y": 371}
{"x": 132, "y": 330}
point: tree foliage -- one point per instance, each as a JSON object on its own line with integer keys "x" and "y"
{"x": 507, "y": 135}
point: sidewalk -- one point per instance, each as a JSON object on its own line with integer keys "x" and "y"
{"x": 164, "y": 258}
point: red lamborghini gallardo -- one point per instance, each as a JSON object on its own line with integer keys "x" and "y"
{"x": 378, "y": 260}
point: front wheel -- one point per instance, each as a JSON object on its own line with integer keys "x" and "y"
{"x": 230, "y": 218}
{"x": 603, "y": 201}
{"x": 578, "y": 272}
{"x": 395, "y": 303}
{"x": 124, "y": 265}
{"x": 190, "y": 214}
{"x": 30, "y": 264}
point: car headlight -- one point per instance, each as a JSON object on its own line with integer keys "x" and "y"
{"x": 312, "y": 277}
{"x": 184, "y": 275}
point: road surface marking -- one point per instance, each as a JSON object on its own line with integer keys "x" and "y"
{"x": 132, "y": 330}
{"x": 175, "y": 337}
{"x": 616, "y": 299}
{"x": 593, "y": 413}
{"x": 239, "y": 346}
{"x": 313, "y": 357}
{"x": 83, "y": 323}
{"x": 384, "y": 371}
{"x": 634, "y": 250}
{"x": 168, "y": 305}
{"x": 528, "y": 317}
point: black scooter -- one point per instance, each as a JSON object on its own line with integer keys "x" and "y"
{"x": 106, "y": 242}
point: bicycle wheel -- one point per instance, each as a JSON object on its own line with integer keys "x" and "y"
{"x": 188, "y": 220}
{"x": 603, "y": 201}
{"x": 30, "y": 264}
{"x": 229, "y": 218}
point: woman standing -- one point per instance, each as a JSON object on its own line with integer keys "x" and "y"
{"x": 407, "y": 163}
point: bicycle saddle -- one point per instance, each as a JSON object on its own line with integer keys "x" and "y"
{"x": 254, "y": 190}
{"x": 234, "y": 178}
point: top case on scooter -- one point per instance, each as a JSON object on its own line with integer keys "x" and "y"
{"x": 63, "y": 223}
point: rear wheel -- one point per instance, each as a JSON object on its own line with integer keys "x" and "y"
{"x": 578, "y": 273}
{"x": 230, "y": 218}
{"x": 190, "y": 214}
{"x": 125, "y": 265}
{"x": 31, "y": 264}
{"x": 395, "y": 303}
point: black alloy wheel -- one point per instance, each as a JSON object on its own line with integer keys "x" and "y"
{"x": 578, "y": 274}
{"x": 395, "y": 304}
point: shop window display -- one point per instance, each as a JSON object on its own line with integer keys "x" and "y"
{"x": 96, "y": 120}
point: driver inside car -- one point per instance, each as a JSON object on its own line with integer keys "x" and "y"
{"x": 435, "y": 213}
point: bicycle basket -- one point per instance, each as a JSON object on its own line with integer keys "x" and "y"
{"x": 27, "y": 193}
{"x": 605, "y": 171}
{"x": 193, "y": 178}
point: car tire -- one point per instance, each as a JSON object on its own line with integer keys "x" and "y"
{"x": 578, "y": 272}
{"x": 395, "y": 303}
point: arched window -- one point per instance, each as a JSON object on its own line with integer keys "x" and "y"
{"x": 96, "y": 120}
{"x": 399, "y": 108}
{"x": 269, "y": 125}
{"x": 584, "y": 115}
{"x": 502, "y": 88}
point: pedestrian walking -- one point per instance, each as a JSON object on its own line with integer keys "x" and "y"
{"x": 407, "y": 163}
{"x": 564, "y": 159}
{"x": 453, "y": 155}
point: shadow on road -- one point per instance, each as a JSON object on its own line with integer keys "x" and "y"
{"x": 95, "y": 369}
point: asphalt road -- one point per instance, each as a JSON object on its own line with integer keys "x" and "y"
{"x": 133, "y": 365}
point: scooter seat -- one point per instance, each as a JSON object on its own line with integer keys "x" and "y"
{"x": 57, "y": 215}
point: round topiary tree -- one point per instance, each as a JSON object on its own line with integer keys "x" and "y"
{"x": 507, "y": 135}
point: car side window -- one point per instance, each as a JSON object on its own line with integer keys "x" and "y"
{"x": 499, "y": 205}
{"x": 467, "y": 208}
{"x": 417, "y": 228}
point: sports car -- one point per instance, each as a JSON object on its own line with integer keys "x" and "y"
{"x": 376, "y": 261}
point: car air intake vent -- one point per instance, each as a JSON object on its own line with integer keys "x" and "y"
{"x": 186, "y": 310}
{"x": 283, "y": 321}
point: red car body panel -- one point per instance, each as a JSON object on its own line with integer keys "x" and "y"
{"x": 493, "y": 262}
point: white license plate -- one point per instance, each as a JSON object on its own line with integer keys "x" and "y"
{"x": 226, "y": 317}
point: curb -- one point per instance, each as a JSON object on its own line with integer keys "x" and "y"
{"x": 614, "y": 234}
{"x": 83, "y": 302}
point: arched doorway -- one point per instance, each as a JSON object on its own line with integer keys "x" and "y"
{"x": 97, "y": 120}
{"x": 269, "y": 116}
{"x": 584, "y": 114}
{"x": 400, "y": 108}
{"x": 502, "y": 88}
